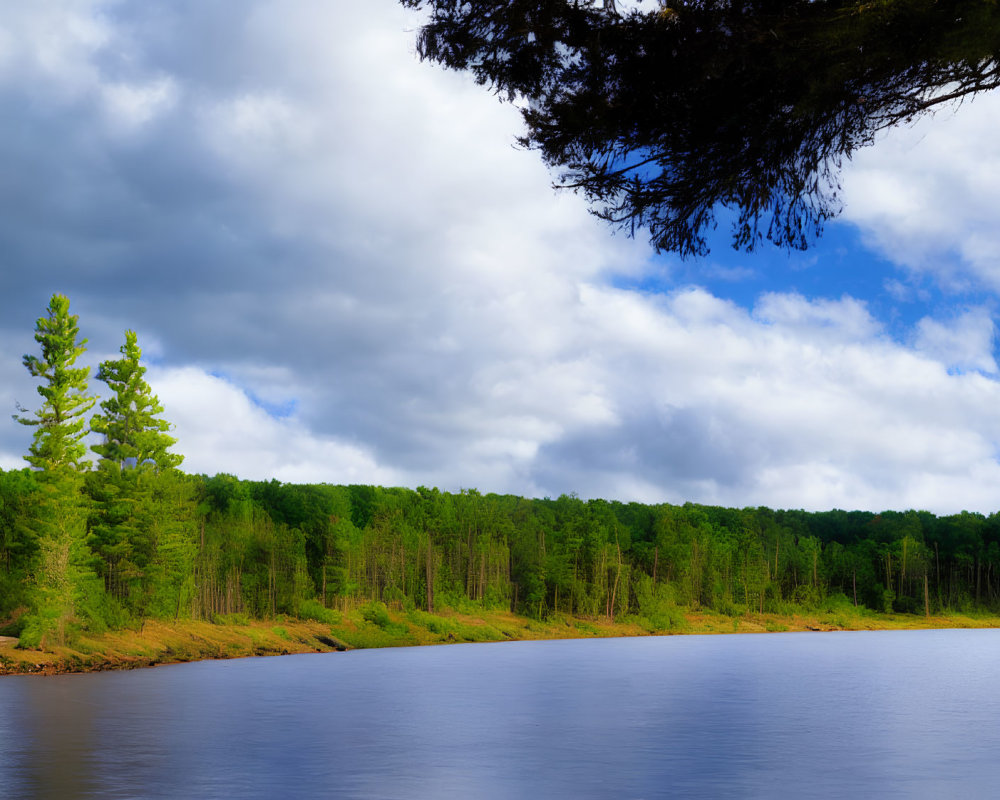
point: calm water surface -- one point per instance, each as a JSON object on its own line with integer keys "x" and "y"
{"x": 886, "y": 714}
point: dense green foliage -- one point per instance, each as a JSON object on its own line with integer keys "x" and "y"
{"x": 199, "y": 547}
{"x": 81, "y": 545}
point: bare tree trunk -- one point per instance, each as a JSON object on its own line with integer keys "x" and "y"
{"x": 614, "y": 589}
{"x": 468, "y": 567}
{"x": 482, "y": 576}
{"x": 510, "y": 573}
{"x": 902, "y": 568}
{"x": 272, "y": 582}
{"x": 429, "y": 567}
{"x": 604, "y": 579}
{"x": 937, "y": 562}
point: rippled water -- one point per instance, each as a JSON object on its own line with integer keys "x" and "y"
{"x": 868, "y": 714}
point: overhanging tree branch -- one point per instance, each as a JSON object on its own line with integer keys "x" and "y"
{"x": 750, "y": 104}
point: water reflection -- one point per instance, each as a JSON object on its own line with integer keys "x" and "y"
{"x": 902, "y": 714}
{"x": 49, "y": 730}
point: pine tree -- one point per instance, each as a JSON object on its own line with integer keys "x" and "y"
{"x": 133, "y": 454}
{"x": 57, "y": 450}
{"x": 133, "y": 436}
{"x": 60, "y": 425}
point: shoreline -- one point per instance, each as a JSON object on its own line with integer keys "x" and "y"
{"x": 158, "y": 642}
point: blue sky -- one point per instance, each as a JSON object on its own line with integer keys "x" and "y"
{"x": 836, "y": 264}
{"x": 341, "y": 269}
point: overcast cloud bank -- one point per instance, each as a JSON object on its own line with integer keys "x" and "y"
{"x": 342, "y": 271}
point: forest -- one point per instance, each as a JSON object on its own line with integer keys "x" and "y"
{"x": 173, "y": 545}
{"x": 87, "y": 547}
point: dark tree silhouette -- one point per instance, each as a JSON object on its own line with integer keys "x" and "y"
{"x": 663, "y": 115}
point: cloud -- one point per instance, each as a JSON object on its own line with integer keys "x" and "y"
{"x": 926, "y": 196}
{"x": 49, "y": 46}
{"x": 725, "y": 406}
{"x": 964, "y": 343}
{"x": 341, "y": 270}
{"x": 131, "y": 106}
{"x": 845, "y": 319}
{"x": 221, "y": 429}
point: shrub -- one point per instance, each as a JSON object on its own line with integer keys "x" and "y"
{"x": 376, "y": 613}
{"x": 98, "y": 611}
{"x": 838, "y": 602}
{"x": 14, "y": 626}
{"x": 728, "y": 608}
{"x": 32, "y": 632}
{"x": 433, "y": 623}
{"x": 806, "y": 596}
{"x": 314, "y": 610}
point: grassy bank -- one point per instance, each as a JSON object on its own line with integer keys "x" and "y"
{"x": 159, "y": 642}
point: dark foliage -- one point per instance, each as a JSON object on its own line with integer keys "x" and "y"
{"x": 665, "y": 115}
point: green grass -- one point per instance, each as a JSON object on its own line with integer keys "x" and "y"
{"x": 230, "y": 619}
{"x": 376, "y": 625}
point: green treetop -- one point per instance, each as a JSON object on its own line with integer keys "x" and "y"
{"x": 128, "y": 419}
{"x": 60, "y": 425}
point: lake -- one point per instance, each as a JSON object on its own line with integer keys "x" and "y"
{"x": 857, "y": 714}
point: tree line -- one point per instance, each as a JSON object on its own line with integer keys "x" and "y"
{"x": 193, "y": 546}
{"x": 85, "y": 546}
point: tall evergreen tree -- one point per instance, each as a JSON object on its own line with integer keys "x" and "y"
{"x": 61, "y": 576}
{"x": 133, "y": 453}
{"x": 133, "y": 435}
{"x": 60, "y": 425}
